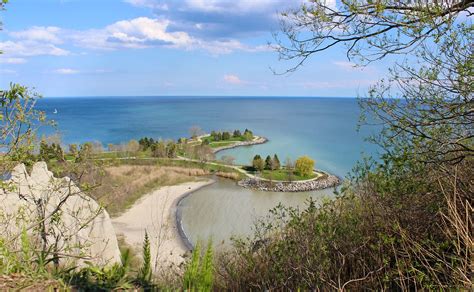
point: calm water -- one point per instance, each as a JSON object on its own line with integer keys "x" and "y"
{"x": 324, "y": 128}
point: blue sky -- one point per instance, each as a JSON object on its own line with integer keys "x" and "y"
{"x": 162, "y": 47}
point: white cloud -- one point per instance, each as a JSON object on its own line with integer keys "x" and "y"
{"x": 48, "y": 34}
{"x": 66, "y": 71}
{"x": 137, "y": 33}
{"x": 35, "y": 41}
{"x": 233, "y": 79}
{"x": 144, "y": 29}
{"x": 27, "y": 48}
{"x": 12, "y": 60}
{"x": 144, "y": 32}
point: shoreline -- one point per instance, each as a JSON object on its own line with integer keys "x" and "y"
{"x": 178, "y": 215}
{"x": 259, "y": 140}
{"x": 320, "y": 183}
{"x": 156, "y": 213}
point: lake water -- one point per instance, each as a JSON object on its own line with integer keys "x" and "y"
{"x": 323, "y": 128}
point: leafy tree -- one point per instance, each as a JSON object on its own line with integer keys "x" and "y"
{"x": 371, "y": 30}
{"x": 214, "y": 135}
{"x": 19, "y": 123}
{"x": 85, "y": 152}
{"x": 133, "y": 146}
{"x": 258, "y": 163}
{"x": 304, "y": 166}
{"x": 195, "y": 131}
{"x": 203, "y": 153}
{"x": 228, "y": 159}
{"x": 73, "y": 150}
{"x": 159, "y": 149}
{"x": 171, "y": 149}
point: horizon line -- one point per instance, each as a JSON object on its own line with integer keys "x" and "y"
{"x": 200, "y": 96}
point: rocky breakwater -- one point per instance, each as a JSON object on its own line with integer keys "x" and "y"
{"x": 257, "y": 140}
{"x": 59, "y": 218}
{"x": 326, "y": 181}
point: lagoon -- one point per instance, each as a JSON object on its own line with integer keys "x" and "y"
{"x": 323, "y": 128}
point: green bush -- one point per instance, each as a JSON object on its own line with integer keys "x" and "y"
{"x": 96, "y": 278}
{"x": 304, "y": 166}
{"x": 199, "y": 273}
{"x": 145, "y": 273}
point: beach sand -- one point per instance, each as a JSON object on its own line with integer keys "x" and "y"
{"x": 156, "y": 213}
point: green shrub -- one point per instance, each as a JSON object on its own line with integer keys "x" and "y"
{"x": 199, "y": 273}
{"x": 304, "y": 166}
{"x": 145, "y": 272}
{"x": 95, "y": 278}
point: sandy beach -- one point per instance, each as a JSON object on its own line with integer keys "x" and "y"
{"x": 156, "y": 213}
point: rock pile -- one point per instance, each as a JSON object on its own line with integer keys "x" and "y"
{"x": 327, "y": 181}
{"x": 256, "y": 141}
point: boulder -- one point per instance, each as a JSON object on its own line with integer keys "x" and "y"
{"x": 58, "y": 216}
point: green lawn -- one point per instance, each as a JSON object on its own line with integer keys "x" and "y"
{"x": 282, "y": 174}
{"x": 232, "y": 139}
{"x": 221, "y": 144}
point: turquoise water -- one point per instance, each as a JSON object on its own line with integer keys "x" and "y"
{"x": 323, "y": 128}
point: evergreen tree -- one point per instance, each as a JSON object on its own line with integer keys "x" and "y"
{"x": 268, "y": 163}
{"x": 225, "y": 136}
{"x": 59, "y": 153}
{"x": 248, "y": 135}
{"x": 237, "y": 134}
{"x": 276, "y": 162}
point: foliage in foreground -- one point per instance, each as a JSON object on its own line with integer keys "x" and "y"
{"x": 199, "y": 273}
{"x": 368, "y": 238}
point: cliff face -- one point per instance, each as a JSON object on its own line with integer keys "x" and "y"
{"x": 58, "y": 216}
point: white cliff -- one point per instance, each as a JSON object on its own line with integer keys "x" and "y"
{"x": 76, "y": 229}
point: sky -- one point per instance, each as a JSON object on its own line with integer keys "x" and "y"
{"x": 163, "y": 47}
